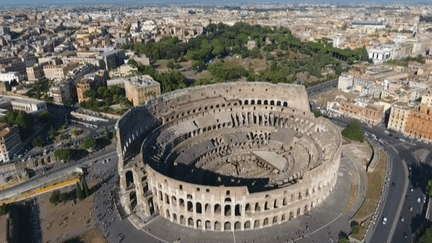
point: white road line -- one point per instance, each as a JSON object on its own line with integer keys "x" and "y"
{"x": 398, "y": 212}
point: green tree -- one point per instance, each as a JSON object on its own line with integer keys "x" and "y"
{"x": 344, "y": 240}
{"x": 132, "y": 62}
{"x": 102, "y": 92}
{"x": 89, "y": 143}
{"x": 62, "y": 154}
{"x": 218, "y": 48}
{"x": 38, "y": 142}
{"x": 429, "y": 188}
{"x": 23, "y": 120}
{"x": 170, "y": 64}
{"x": 44, "y": 116}
{"x": 89, "y": 94}
{"x": 354, "y": 131}
{"x": 77, "y": 132}
{"x": 64, "y": 197}
{"x": 85, "y": 187}
{"x": 107, "y": 134}
{"x": 55, "y": 197}
{"x": 52, "y": 132}
{"x": 186, "y": 33}
{"x": 426, "y": 237}
{"x": 80, "y": 193}
{"x": 4, "y": 209}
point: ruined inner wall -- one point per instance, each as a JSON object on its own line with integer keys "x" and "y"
{"x": 199, "y": 145}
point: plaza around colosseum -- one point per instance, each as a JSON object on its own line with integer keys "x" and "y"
{"x": 227, "y": 157}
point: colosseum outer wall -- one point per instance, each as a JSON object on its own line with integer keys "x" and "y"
{"x": 211, "y": 207}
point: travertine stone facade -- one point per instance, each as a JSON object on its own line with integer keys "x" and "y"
{"x": 223, "y": 157}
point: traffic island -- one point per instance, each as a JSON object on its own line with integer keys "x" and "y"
{"x": 373, "y": 194}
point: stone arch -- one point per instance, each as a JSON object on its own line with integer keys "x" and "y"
{"x": 227, "y": 225}
{"x": 190, "y": 222}
{"x": 283, "y": 218}
{"x": 227, "y": 210}
{"x": 167, "y": 201}
{"x": 247, "y": 224}
{"x": 257, "y": 207}
{"x": 129, "y": 179}
{"x": 174, "y": 217}
{"x": 284, "y": 202}
{"x": 265, "y": 222}
{"x": 168, "y": 215}
{"x": 207, "y": 208}
{"x": 174, "y": 201}
{"x": 306, "y": 208}
{"x": 291, "y": 215}
{"x": 207, "y": 224}
{"x": 217, "y": 209}
{"x": 198, "y": 224}
{"x": 275, "y": 220}
{"x": 266, "y": 206}
{"x": 285, "y": 104}
{"x": 272, "y": 102}
{"x": 133, "y": 199}
{"x": 189, "y": 206}
{"x": 198, "y": 208}
{"x": 181, "y": 203}
{"x": 298, "y": 211}
{"x": 247, "y": 208}
{"x": 237, "y": 225}
{"x": 217, "y": 225}
{"x": 256, "y": 224}
{"x": 237, "y": 210}
{"x": 182, "y": 220}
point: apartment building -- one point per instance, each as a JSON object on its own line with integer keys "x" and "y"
{"x": 10, "y": 142}
{"x": 35, "y": 73}
{"x": 398, "y": 118}
{"x": 419, "y": 124}
{"x": 371, "y": 114}
{"x": 141, "y": 89}
{"x": 61, "y": 91}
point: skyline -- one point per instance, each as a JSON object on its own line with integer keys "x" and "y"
{"x": 180, "y": 2}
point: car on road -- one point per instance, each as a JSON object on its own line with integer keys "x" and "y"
{"x": 402, "y": 219}
{"x": 384, "y": 220}
{"x": 419, "y": 200}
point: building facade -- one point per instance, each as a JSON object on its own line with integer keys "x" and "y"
{"x": 10, "y": 142}
{"x": 366, "y": 113}
{"x": 141, "y": 89}
{"x": 398, "y": 118}
{"x": 419, "y": 124}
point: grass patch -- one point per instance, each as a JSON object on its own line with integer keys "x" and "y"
{"x": 353, "y": 192}
{"x": 375, "y": 184}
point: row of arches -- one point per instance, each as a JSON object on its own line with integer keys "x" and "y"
{"x": 229, "y": 209}
{"x": 199, "y": 223}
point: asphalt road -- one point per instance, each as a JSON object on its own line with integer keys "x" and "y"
{"x": 402, "y": 224}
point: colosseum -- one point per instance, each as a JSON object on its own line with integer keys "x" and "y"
{"x": 224, "y": 157}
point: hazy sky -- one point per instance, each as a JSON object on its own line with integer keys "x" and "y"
{"x": 202, "y": 1}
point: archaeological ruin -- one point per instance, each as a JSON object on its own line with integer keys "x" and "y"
{"x": 229, "y": 156}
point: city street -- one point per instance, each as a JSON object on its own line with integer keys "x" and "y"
{"x": 407, "y": 186}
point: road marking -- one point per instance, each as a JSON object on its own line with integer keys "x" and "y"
{"x": 398, "y": 212}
